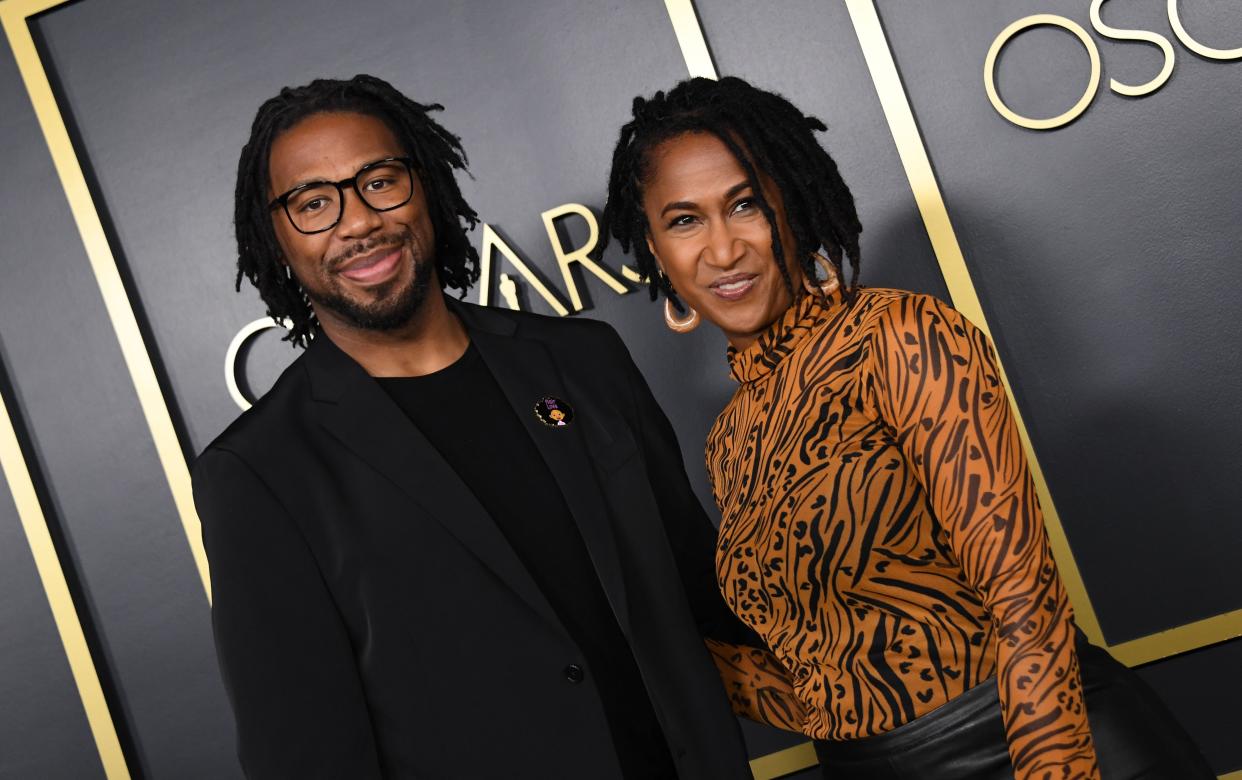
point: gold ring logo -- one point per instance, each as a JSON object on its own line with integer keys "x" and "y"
{"x": 1107, "y": 31}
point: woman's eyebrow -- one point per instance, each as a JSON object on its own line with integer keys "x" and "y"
{"x": 686, "y": 204}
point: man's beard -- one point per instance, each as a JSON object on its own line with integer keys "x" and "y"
{"x": 392, "y": 309}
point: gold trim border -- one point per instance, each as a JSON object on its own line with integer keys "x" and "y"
{"x": 52, "y": 576}
{"x": 690, "y": 38}
{"x": 1179, "y": 639}
{"x": 15, "y": 15}
{"x": 785, "y": 762}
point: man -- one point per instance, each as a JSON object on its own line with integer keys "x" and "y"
{"x": 451, "y": 541}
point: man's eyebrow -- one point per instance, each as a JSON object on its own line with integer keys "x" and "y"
{"x": 733, "y": 191}
{"x": 303, "y": 183}
{"x": 321, "y": 180}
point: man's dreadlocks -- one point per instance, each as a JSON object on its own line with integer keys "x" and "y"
{"x": 765, "y": 132}
{"x": 436, "y": 154}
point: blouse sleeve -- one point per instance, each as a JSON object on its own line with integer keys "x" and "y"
{"x": 936, "y": 383}
{"x": 757, "y": 684}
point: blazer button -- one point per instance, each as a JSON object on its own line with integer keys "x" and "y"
{"x": 574, "y": 673}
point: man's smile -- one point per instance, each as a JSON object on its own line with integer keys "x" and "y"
{"x": 374, "y": 267}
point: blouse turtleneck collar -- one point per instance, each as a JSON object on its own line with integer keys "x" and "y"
{"x": 780, "y": 339}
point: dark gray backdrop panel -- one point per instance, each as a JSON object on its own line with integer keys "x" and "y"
{"x": 1105, "y": 254}
{"x": 94, "y": 450}
{"x": 43, "y": 728}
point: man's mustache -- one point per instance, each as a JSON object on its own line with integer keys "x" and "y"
{"x": 363, "y": 247}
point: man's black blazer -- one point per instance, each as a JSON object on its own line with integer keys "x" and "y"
{"x": 372, "y": 621}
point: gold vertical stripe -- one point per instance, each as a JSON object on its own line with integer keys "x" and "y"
{"x": 956, "y": 276}
{"x": 14, "y": 14}
{"x": 52, "y": 576}
{"x": 690, "y": 38}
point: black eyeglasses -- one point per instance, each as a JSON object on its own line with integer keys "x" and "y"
{"x": 317, "y": 206}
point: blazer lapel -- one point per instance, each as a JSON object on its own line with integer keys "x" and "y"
{"x": 526, "y": 373}
{"x": 356, "y": 410}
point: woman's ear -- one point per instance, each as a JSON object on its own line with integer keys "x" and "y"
{"x": 651, "y": 248}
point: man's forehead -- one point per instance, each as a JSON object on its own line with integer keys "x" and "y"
{"x": 329, "y": 146}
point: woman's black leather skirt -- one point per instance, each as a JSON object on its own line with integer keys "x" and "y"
{"x": 1134, "y": 734}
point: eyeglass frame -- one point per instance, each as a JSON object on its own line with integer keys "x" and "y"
{"x": 283, "y": 200}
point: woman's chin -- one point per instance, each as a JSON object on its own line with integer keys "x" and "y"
{"x": 740, "y": 329}
{"x": 752, "y": 315}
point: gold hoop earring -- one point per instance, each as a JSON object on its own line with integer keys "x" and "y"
{"x": 683, "y": 325}
{"x": 831, "y": 282}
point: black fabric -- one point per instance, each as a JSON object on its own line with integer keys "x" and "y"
{"x": 372, "y": 620}
{"x": 1135, "y": 736}
{"x": 464, "y": 414}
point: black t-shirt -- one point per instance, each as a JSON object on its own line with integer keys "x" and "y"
{"x": 467, "y": 418}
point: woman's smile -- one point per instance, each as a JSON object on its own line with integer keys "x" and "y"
{"x": 733, "y": 287}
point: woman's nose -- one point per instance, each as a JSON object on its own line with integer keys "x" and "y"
{"x": 723, "y": 249}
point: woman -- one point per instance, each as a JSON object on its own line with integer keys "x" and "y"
{"x": 880, "y": 529}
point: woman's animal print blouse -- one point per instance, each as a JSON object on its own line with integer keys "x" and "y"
{"x": 881, "y": 533}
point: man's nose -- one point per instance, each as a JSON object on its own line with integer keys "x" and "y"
{"x": 357, "y": 218}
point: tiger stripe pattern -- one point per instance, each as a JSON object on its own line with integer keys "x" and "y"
{"x": 880, "y": 531}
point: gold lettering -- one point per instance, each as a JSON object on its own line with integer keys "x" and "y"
{"x": 633, "y": 275}
{"x": 1134, "y": 35}
{"x": 989, "y": 71}
{"x": 1179, "y": 30}
{"x": 493, "y": 241}
{"x": 580, "y": 255}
